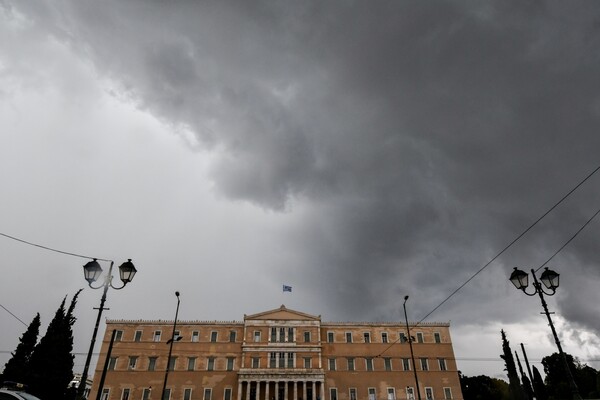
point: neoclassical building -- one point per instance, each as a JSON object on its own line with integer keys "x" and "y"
{"x": 281, "y": 354}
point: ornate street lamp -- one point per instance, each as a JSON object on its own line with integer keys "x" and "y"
{"x": 91, "y": 273}
{"x": 550, "y": 279}
{"x": 412, "y": 355}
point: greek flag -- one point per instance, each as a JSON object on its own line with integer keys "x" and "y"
{"x": 287, "y": 288}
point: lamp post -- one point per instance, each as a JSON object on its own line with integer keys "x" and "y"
{"x": 91, "y": 272}
{"x": 550, "y": 279}
{"x": 412, "y": 355}
{"x": 170, "y": 342}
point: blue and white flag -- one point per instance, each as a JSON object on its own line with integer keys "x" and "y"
{"x": 287, "y": 288}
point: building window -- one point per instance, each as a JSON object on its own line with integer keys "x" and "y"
{"x": 367, "y": 337}
{"x": 227, "y": 394}
{"x": 191, "y": 363}
{"x": 187, "y": 394}
{"x": 213, "y": 336}
{"x": 172, "y": 361}
{"x": 388, "y": 363}
{"x": 352, "y": 393}
{"x": 152, "y": 363}
{"x": 105, "y": 393}
{"x": 132, "y": 362}
{"x": 282, "y": 360}
{"x": 232, "y": 335}
{"x": 442, "y": 362}
{"x": 447, "y": 393}
{"x": 384, "y": 337}
{"x": 371, "y": 393}
{"x": 329, "y": 337}
{"x": 351, "y": 364}
{"x": 403, "y": 337}
{"x": 176, "y": 335}
{"x": 207, "y": 393}
{"x": 406, "y": 364}
{"x": 273, "y": 360}
{"x": 118, "y": 336}
{"x": 420, "y": 337}
{"x": 369, "y": 363}
{"x": 157, "y": 336}
{"x": 332, "y": 364}
{"x": 167, "y": 394}
{"x": 290, "y": 360}
{"x": 391, "y": 393}
{"x": 112, "y": 363}
{"x": 429, "y": 393}
{"x": 256, "y": 336}
{"x": 437, "y": 337}
{"x": 195, "y": 336}
{"x": 138, "y": 336}
{"x": 230, "y": 363}
{"x": 291, "y": 336}
{"x": 424, "y": 365}
{"x": 307, "y": 362}
{"x": 410, "y": 393}
{"x": 348, "y": 337}
{"x": 307, "y": 337}
{"x": 146, "y": 394}
{"x": 273, "y": 334}
{"x": 210, "y": 366}
{"x": 125, "y": 394}
{"x": 332, "y": 393}
{"x": 281, "y": 334}
{"x": 255, "y": 362}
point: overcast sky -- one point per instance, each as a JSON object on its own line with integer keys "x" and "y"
{"x": 356, "y": 151}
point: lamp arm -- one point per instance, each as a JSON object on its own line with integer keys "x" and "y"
{"x": 99, "y": 286}
{"x": 118, "y": 288}
{"x": 530, "y": 294}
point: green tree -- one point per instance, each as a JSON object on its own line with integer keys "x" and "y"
{"x": 514, "y": 383}
{"x": 51, "y": 363}
{"x": 16, "y": 368}
{"x": 538, "y": 385}
{"x": 483, "y": 388}
{"x": 557, "y": 379}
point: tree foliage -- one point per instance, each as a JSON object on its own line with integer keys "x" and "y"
{"x": 16, "y": 368}
{"x": 483, "y": 388}
{"x": 51, "y": 363}
{"x": 538, "y": 385}
{"x": 514, "y": 383}
{"x": 557, "y": 380}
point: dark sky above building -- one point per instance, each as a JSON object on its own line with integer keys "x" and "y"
{"x": 356, "y": 151}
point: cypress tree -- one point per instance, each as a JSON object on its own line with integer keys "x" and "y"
{"x": 51, "y": 364}
{"x": 538, "y": 385}
{"x": 16, "y": 368}
{"x": 516, "y": 391}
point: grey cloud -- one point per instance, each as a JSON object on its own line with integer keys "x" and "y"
{"x": 423, "y": 136}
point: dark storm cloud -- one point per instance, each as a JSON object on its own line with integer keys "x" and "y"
{"x": 424, "y": 135}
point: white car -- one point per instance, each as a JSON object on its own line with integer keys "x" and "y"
{"x": 6, "y": 394}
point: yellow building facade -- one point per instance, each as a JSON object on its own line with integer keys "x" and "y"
{"x": 281, "y": 354}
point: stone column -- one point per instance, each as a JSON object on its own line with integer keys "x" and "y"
{"x": 304, "y": 390}
{"x": 267, "y": 390}
{"x": 295, "y": 390}
{"x": 276, "y": 390}
{"x": 248, "y": 386}
{"x": 239, "y": 396}
{"x": 322, "y": 390}
{"x": 285, "y": 390}
{"x": 314, "y": 391}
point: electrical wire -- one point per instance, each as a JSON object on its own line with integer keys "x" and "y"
{"x": 11, "y": 313}
{"x": 51, "y": 249}
{"x": 511, "y": 244}
{"x": 570, "y": 239}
